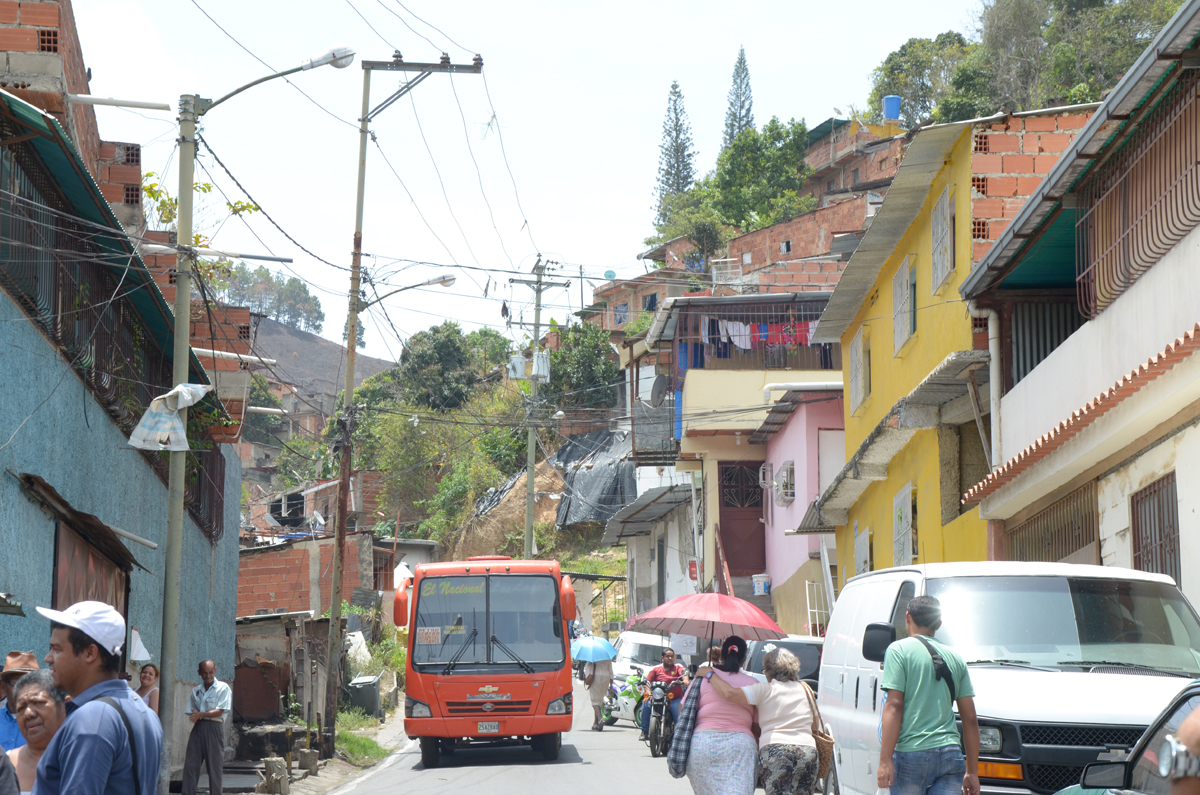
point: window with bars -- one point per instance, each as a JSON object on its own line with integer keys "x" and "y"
{"x": 1154, "y": 515}
{"x": 785, "y": 483}
{"x": 133, "y": 194}
{"x": 942, "y": 242}
{"x": 1063, "y": 531}
{"x": 621, "y": 314}
{"x": 860, "y": 369}
{"x": 902, "y": 526}
{"x": 904, "y": 318}
{"x": 48, "y": 40}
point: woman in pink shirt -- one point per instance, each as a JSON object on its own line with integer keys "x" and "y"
{"x": 724, "y": 750}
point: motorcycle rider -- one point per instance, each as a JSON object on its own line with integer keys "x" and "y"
{"x": 668, "y": 671}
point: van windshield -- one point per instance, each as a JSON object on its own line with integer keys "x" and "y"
{"x": 640, "y": 654}
{"x": 1069, "y": 623}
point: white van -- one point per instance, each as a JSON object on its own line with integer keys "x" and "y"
{"x": 1070, "y": 663}
{"x": 637, "y": 648}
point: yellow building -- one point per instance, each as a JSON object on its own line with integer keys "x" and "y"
{"x": 919, "y": 360}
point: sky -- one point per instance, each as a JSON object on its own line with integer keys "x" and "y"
{"x": 552, "y": 151}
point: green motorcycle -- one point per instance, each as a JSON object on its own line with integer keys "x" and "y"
{"x": 624, "y": 699}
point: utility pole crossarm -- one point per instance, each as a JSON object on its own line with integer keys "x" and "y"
{"x": 444, "y": 66}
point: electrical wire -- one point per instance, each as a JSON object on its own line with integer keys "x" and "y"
{"x": 478, "y": 175}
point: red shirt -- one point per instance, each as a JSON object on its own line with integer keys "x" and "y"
{"x": 659, "y": 674}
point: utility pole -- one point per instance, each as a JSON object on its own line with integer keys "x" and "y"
{"x": 334, "y": 644}
{"x": 538, "y": 285}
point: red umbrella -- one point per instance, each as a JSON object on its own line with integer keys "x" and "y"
{"x": 711, "y": 615}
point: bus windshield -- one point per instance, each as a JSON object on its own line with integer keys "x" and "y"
{"x": 469, "y": 621}
{"x": 1072, "y": 623}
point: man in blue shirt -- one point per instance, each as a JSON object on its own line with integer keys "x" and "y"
{"x": 16, "y": 665}
{"x": 110, "y": 743}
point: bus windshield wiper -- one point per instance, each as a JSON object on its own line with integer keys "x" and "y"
{"x": 1095, "y": 663}
{"x": 526, "y": 666}
{"x": 461, "y": 651}
{"x": 1014, "y": 663}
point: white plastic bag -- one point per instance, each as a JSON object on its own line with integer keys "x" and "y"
{"x": 160, "y": 428}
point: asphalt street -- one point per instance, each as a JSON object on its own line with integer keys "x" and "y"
{"x": 590, "y": 762}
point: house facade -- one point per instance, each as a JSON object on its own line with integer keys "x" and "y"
{"x": 1096, "y": 284}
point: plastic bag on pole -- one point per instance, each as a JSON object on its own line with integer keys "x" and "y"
{"x": 160, "y": 428}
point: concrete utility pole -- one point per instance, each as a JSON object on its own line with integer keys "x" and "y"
{"x": 191, "y": 108}
{"x": 397, "y": 64}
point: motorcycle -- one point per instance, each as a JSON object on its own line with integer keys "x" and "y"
{"x": 662, "y": 724}
{"x": 624, "y": 699}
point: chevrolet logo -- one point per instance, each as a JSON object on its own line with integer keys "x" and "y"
{"x": 488, "y": 689}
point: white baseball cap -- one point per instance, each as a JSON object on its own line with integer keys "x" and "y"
{"x": 97, "y": 620}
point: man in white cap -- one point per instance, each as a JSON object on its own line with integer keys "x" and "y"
{"x": 110, "y": 741}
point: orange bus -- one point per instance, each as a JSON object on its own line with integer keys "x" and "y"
{"x": 489, "y": 655}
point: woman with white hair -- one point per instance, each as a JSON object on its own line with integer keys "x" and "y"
{"x": 787, "y": 752}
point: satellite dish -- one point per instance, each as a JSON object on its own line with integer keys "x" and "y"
{"x": 658, "y": 393}
{"x": 610, "y": 275}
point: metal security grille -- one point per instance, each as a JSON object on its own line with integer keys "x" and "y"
{"x": 1089, "y": 736}
{"x": 1139, "y": 204}
{"x": 1037, "y": 329}
{"x": 739, "y": 487}
{"x": 1059, "y": 531}
{"x": 1052, "y": 778}
{"x": 1154, "y": 512}
{"x": 764, "y": 337}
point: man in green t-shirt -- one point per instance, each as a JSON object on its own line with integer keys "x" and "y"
{"x": 921, "y": 751}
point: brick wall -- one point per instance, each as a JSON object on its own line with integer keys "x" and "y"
{"x": 281, "y": 577}
{"x": 810, "y": 235}
{"x": 1009, "y": 160}
{"x": 874, "y": 162}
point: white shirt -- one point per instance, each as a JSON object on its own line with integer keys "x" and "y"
{"x": 219, "y": 696}
{"x": 784, "y": 714}
{"x": 602, "y": 669}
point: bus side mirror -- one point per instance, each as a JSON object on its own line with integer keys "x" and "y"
{"x": 566, "y": 596}
{"x": 876, "y": 640}
{"x": 400, "y": 604}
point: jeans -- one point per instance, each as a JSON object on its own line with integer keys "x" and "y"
{"x": 673, "y": 704}
{"x": 938, "y": 771}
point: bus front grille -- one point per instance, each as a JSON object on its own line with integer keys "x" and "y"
{"x": 496, "y": 707}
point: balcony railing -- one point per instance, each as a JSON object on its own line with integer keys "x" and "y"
{"x": 762, "y": 337}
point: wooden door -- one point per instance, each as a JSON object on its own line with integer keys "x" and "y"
{"x": 742, "y": 531}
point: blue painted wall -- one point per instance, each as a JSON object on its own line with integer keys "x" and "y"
{"x": 71, "y": 443}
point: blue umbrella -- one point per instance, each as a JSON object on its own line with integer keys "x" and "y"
{"x": 592, "y": 649}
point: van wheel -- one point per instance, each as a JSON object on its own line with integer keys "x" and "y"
{"x": 831, "y": 781}
{"x": 430, "y": 752}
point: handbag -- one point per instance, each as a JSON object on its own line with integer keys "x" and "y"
{"x": 823, "y": 739}
{"x": 685, "y": 727}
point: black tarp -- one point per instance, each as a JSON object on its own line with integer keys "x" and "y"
{"x": 599, "y": 476}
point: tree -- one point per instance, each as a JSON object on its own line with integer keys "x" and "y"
{"x": 488, "y": 348}
{"x": 360, "y": 331}
{"x": 693, "y": 215}
{"x": 919, "y": 72}
{"x": 676, "y": 159}
{"x": 286, "y": 300}
{"x": 435, "y": 368}
{"x": 261, "y": 428}
{"x": 740, "y": 115}
{"x": 583, "y": 371}
{"x": 759, "y": 176}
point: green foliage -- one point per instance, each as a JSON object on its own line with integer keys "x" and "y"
{"x": 435, "y": 368}
{"x": 759, "y": 176}
{"x": 919, "y": 73}
{"x": 360, "y": 331}
{"x": 970, "y": 91}
{"x": 487, "y": 348}
{"x": 583, "y": 370}
{"x": 354, "y": 719}
{"x": 285, "y": 299}
{"x": 641, "y": 322}
{"x": 303, "y": 460}
{"x": 470, "y": 475}
{"x": 739, "y": 117}
{"x": 262, "y": 427}
{"x": 676, "y": 158}
{"x": 359, "y": 749}
{"x": 692, "y": 214}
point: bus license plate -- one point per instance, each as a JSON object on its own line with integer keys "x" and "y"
{"x": 489, "y": 727}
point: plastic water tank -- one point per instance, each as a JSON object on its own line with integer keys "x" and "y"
{"x": 891, "y": 107}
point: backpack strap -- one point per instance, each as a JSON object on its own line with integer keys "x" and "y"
{"x": 940, "y": 667}
{"x": 112, "y": 702}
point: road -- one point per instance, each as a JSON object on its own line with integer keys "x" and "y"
{"x": 590, "y": 762}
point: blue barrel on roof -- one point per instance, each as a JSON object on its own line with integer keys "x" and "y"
{"x": 891, "y": 107}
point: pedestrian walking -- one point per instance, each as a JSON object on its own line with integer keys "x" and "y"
{"x": 921, "y": 751}
{"x": 208, "y": 708}
{"x": 668, "y": 672}
{"x": 787, "y": 751}
{"x": 16, "y": 665}
{"x": 41, "y": 710}
{"x": 598, "y": 676}
{"x": 109, "y": 741}
{"x": 724, "y": 749}
{"x": 148, "y": 686}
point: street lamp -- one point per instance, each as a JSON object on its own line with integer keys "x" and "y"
{"x": 437, "y": 281}
{"x": 191, "y": 107}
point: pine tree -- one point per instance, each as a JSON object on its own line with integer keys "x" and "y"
{"x": 740, "y": 115}
{"x": 676, "y": 160}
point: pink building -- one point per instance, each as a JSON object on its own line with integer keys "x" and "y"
{"x": 805, "y": 449}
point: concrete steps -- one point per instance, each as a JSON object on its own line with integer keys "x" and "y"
{"x": 743, "y": 588}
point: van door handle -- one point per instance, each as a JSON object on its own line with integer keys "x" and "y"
{"x": 874, "y": 692}
{"x": 857, "y": 680}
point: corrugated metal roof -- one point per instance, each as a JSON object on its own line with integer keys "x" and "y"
{"x": 639, "y": 517}
{"x": 924, "y": 158}
{"x": 1109, "y": 119}
{"x": 663, "y": 326}
{"x": 824, "y": 128}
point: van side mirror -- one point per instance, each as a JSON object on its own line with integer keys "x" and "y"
{"x": 400, "y": 605}
{"x": 1103, "y": 775}
{"x": 876, "y": 640}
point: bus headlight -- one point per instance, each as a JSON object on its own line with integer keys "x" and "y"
{"x": 560, "y": 706}
{"x": 990, "y": 740}
{"x": 416, "y": 709}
